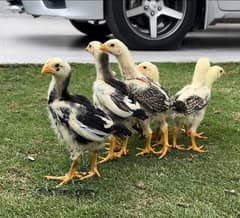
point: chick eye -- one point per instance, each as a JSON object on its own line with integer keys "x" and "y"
{"x": 144, "y": 67}
{"x": 90, "y": 46}
{"x": 221, "y": 71}
{"x": 57, "y": 65}
{"x": 112, "y": 45}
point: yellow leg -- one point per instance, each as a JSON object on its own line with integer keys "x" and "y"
{"x": 123, "y": 151}
{"x": 174, "y": 144}
{"x": 157, "y": 135}
{"x": 148, "y": 148}
{"x": 166, "y": 146}
{"x": 111, "y": 154}
{"x": 94, "y": 171}
{"x": 72, "y": 174}
{"x": 194, "y": 146}
{"x": 117, "y": 146}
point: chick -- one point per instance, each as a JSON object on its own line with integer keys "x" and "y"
{"x": 150, "y": 71}
{"x": 151, "y": 97}
{"x": 199, "y": 76}
{"x": 76, "y": 121}
{"x": 191, "y": 102}
{"x": 112, "y": 96}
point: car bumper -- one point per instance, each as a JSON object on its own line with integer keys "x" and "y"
{"x": 73, "y": 9}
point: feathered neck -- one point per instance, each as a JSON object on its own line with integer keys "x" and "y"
{"x": 127, "y": 66}
{"x": 103, "y": 68}
{"x": 210, "y": 80}
{"x": 58, "y": 88}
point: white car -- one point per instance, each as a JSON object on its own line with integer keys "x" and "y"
{"x": 141, "y": 24}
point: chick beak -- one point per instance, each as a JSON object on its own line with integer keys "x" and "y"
{"x": 46, "y": 69}
{"x": 103, "y": 48}
{"x": 86, "y": 49}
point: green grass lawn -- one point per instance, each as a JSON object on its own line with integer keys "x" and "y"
{"x": 184, "y": 184}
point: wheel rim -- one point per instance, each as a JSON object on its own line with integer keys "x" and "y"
{"x": 154, "y": 19}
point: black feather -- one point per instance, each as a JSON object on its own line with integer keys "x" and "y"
{"x": 190, "y": 105}
{"x": 93, "y": 121}
{"x": 120, "y": 131}
{"x": 105, "y": 66}
{"x": 52, "y": 96}
{"x": 118, "y": 85}
{"x": 140, "y": 114}
{"x": 179, "y": 106}
{"x": 118, "y": 100}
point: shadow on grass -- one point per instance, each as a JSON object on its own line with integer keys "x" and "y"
{"x": 68, "y": 191}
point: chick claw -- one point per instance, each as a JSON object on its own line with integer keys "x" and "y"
{"x": 196, "y": 148}
{"x": 123, "y": 152}
{"x": 201, "y": 135}
{"x": 179, "y": 147}
{"x": 147, "y": 150}
{"x": 197, "y": 135}
{"x": 90, "y": 174}
{"x": 65, "y": 179}
{"x": 164, "y": 151}
{"x": 110, "y": 156}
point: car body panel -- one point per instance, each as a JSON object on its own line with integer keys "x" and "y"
{"x": 75, "y": 9}
{"x": 229, "y": 5}
{"x": 215, "y": 14}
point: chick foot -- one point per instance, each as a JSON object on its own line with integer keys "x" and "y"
{"x": 110, "y": 156}
{"x": 124, "y": 151}
{"x": 197, "y": 135}
{"x": 116, "y": 148}
{"x": 72, "y": 174}
{"x": 194, "y": 146}
{"x": 165, "y": 149}
{"x": 148, "y": 148}
{"x": 179, "y": 147}
{"x": 65, "y": 179}
{"x": 93, "y": 171}
{"x": 200, "y": 135}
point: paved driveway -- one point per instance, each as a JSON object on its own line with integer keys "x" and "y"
{"x": 24, "y": 39}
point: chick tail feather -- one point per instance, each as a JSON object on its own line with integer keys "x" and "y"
{"x": 120, "y": 131}
{"x": 179, "y": 106}
{"x": 140, "y": 114}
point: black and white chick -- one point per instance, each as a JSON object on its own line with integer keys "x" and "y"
{"x": 76, "y": 121}
{"x": 113, "y": 97}
{"x": 191, "y": 102}
{"x": 151, "y": 96}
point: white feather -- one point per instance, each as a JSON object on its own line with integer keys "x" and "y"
{"x": 85, "y": 131}
{"x": 102, "y": 91}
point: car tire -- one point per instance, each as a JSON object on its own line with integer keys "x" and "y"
{"x": 91, "y": 29}
{"x": 135, "y": 30}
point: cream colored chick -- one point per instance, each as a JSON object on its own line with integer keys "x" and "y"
{"x": 150, "y": 71}
{"x": 199, "y": 76}
{"x": 190, "y": 105}
{"x": 151, "y": 97}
